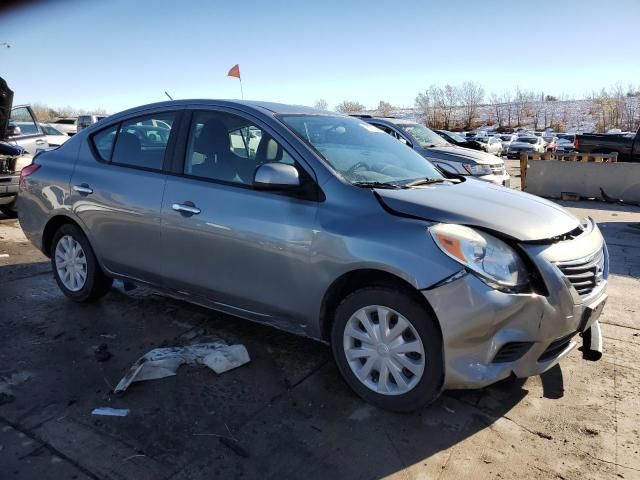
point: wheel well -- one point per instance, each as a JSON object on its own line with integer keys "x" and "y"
{"x": 355, "y": 280}
{"x": 50, "y": 229}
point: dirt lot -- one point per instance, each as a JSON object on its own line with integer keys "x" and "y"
{"x": 288, "y": 414}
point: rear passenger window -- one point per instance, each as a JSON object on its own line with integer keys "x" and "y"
{"x": 103, "y": 141}
{"x": 142, "y": 141}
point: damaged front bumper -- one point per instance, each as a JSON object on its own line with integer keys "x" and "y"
{"x": 489, "y": 335}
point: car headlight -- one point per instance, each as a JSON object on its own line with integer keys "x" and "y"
{"x": 477, "y": 169}
{"x": 492, "y": 260}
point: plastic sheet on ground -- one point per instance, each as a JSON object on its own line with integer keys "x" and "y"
{"x": 164, "y": 362}
{"x": 111, "y": 412}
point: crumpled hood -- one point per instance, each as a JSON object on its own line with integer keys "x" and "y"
{"x": 518, "y": 215}
{"x": 6, "y": 102}
{"x": 460, "y": 154}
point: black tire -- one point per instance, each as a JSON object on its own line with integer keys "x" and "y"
{"x": 9, "y": 209}
{"x": 97, "y": 283}
{"x": 430, "y": 385}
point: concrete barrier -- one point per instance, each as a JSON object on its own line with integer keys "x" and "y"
{"x": 552, "y": 178}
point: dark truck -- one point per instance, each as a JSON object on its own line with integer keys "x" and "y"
{"x": 627, "y": 146}
{"x": 20, "y": 138}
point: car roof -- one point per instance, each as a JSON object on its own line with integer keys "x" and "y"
{"x": 272, "y": 107}
{"x": 387, "y": 120}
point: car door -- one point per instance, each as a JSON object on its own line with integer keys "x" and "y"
{"x": 30, "y": 136}
{"x": 117, "y": 187}
{"x": 226, "y": 244}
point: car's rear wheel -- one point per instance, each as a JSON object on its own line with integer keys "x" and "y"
{"x": 388, "y": 348}
{"x": 75, "y": 267}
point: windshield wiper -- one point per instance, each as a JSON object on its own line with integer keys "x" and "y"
{"x": 376, "y": 185}
{"x": 424, "y": 181}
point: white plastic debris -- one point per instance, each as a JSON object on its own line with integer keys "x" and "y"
{"x": 111, "y": 412}
{"x": 4, "y": 255}
{"x": 163, "y": 362}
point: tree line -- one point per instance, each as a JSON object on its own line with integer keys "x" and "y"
{"x": 45, "y": 113}
{"x": 467, "y": 106}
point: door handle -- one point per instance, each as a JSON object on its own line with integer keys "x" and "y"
{"x": 83, "y": 189}
{"x": 186, "y": 209}
{"x": 40, "y": 142}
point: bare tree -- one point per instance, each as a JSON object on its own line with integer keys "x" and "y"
{"x": 321, "y": 104}
{"x": 523, "y": 108}
{"x": 349, "y": 106}
{"x": 450, "y": 98}
{"x": 425, "y": 105}
{"x": 537, "y": 108}
{"x": 471, "y": 96}
{"x": 46, "y": 113}
{"x": 498, "y": 108}
{"x": 384, "y": 108}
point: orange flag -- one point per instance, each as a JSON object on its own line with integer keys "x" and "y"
{"x": 234, "y": 71}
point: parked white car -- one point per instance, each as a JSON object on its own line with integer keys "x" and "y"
{"x": 506, "y": 139}
{"x": 491, "y": 145}
{"x": 65, "y": 125}
{"x": 55, "y": 137}
{"x": 85, "y": 120}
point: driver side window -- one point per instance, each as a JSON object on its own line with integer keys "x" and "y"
{"x": 229, "y": 148}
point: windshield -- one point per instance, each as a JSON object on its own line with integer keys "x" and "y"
{"x": 505, "y": 138}
{"x": 569, "y": 138}
{"x": 456, "y": 137}
{"x": 531, "y": 140}
{"x": 359, "y": 151}
{"x": 423, "y": 135}
{"x": 50, "y": 130}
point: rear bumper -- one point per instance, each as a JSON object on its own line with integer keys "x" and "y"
{"x": 478, "y": 323}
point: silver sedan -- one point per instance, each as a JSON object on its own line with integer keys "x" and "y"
{"x": 325, "y": 226}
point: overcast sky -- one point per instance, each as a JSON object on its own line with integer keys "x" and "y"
{"x": 122, "y": 53}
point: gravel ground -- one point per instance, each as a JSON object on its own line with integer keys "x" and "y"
{"x": 288, "y": 413}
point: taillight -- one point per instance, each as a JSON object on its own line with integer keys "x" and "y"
{"x": 28, "y": 170}
{"x": 576, "y": 144}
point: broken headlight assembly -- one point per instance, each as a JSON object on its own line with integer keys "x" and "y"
{"x": 490, "y": 259}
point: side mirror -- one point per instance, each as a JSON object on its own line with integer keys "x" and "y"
{"x": 276, "y": 176}
{"x": 13, "y": 131}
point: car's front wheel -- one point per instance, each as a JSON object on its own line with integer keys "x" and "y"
{"x": 388, "y": 348}
{"x": 75, "y": 267}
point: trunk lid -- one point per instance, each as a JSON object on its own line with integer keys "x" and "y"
{"x": 6, "y": 102}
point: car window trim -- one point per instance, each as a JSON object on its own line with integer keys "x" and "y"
{"x": 179, "y": 159}
{"x": 399, "y": 133}
{"x": 169, "y": 148}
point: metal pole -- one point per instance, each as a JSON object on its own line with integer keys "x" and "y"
{"x": 241, "y": 92}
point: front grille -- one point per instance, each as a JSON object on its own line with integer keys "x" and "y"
{"x": 584, "y": 274}
{"x": 556, "y": 348}
{"x": 512, "y": 351}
